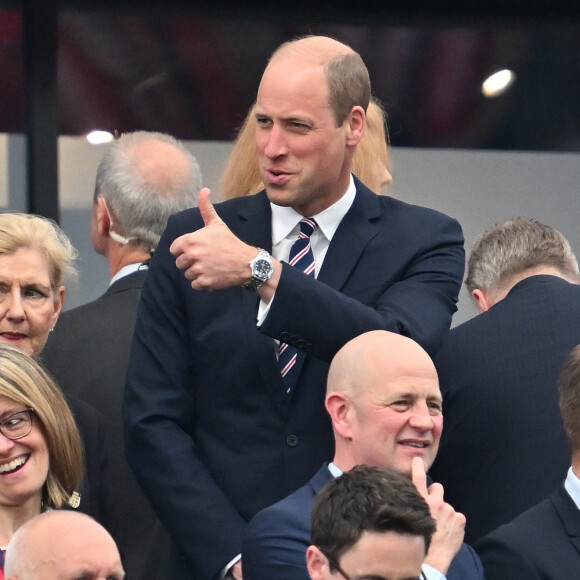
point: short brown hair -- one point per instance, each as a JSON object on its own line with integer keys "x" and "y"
{"x": 367, "y": 499}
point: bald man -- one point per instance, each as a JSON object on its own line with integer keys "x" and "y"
{"x": 224, "y": 402}
{"x": 143, "y": 179}
{"x": 62, "y": 545}
{"x": 384, "y": 402}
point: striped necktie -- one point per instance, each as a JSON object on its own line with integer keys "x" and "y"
{"x": 301, "y": 257}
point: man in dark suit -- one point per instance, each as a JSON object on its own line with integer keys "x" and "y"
{"x": 504, "y": 447}
{"x": 543, "y": 543}
{"x": 369, "y": 523}
{"x": 142, "y": 180}
{"x": 384, "y": 402}
{"x": 213, "y": 431}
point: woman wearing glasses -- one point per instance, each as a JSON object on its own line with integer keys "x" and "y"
{"x": 41, "y": 463}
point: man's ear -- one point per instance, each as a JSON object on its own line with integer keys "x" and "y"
{"x": 355, "y": 125}
{"x": 103, "y": 218}
{"x": 338, "y": 406}
{"x": 315, "y": 563}
{"x": 482, "y": 300}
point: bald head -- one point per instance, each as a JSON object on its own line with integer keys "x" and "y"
{"x": 62, "y": 545}
{"x": 384, "y": 401}
{"x": 376, "y": 357}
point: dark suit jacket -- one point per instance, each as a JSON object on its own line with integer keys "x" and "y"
{"x": 503, "y": 447}
{"x": 276, "y": 540}
{"x": 210, "y": 432}
{"x": 96, "y": 495}
{"x": 88, "y": 353}
{"x": 541, "y": 544}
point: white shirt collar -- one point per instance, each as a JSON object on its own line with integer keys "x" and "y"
{"x": 126, "y": 270}
{"x": 572, "y": 485}
{"x": 285, "y": 219}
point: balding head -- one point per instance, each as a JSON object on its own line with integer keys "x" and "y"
{"x": 384, "y": 401}
{"x": 347, "y": 77}
{"x": 143, "y": 179}
{"x": 62, "y": 545}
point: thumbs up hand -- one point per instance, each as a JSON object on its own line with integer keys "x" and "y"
{"x": 212, "y": 258}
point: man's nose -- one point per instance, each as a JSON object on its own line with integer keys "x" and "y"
{"x": 276, "y": 143}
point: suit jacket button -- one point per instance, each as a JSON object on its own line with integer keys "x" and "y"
{"x": 292, "y": 440}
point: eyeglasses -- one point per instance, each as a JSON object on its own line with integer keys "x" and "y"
{"x": 17, "y": 425}
{"x": 335, "y": 565}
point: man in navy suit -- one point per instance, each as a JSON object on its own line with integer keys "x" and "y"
{"x": 385, "y": 405}
{"x": 504, "y": 448}
{"x": 369, "y": 523}
{"x": 212, "y": 433}
{"x": 143, "y": 179}
{"x": 543, "y": 543}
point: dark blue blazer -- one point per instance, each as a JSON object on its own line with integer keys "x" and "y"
{"x": 503, "y": 447}
{"x": 541, "y": 544}
{"x": 210, "y": 432}
{"x": 276, "y": 540}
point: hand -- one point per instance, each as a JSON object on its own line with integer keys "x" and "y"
{"x": 212, "y": 258}
{"x": 236, "y": 570}
{"x": 450, "y": 531}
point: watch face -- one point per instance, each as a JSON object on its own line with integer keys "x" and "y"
{"x": 262, "y": 269}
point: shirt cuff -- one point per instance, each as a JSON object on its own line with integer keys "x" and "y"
{"x": 431, "y": 573}
{"x": 230, "y": 565}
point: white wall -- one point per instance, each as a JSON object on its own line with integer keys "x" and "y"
{"x": 479, "y": 188}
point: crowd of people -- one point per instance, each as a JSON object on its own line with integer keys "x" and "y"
{"x": 260, "y": 392}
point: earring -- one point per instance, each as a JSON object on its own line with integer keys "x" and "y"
{"x": 75, "y": 500}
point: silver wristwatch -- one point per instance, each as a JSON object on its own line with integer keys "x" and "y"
{"x": 262, "y": 269}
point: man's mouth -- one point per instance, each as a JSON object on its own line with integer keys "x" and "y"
{"x": 14, "y": 465}
{"x": 415, "y": 444}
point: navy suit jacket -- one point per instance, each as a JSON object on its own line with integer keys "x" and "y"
{"x": 210, "y": 432}
{"x": 276, "y": 540}
{"x": 541, "y": 544}
{"x": 503, "y": 447}
{"x": 87, "y": 354}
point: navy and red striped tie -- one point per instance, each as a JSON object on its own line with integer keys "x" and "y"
{"x": 301, "y": 257}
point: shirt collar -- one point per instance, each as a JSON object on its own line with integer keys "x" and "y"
{"x": 572, "y": 485}
{"x": 285, "y": 219}
{"x": 126, "y": 270}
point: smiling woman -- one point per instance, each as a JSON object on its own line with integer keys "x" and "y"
{"x": 35, "y": 259}
{"x": 41, "y": 463}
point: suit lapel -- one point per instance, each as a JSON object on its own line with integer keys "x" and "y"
{"x": 352, "y": 236}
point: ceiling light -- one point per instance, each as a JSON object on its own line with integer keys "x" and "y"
{"x": 498, "y": 83}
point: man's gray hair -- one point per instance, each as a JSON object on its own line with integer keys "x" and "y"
{"x": 140, "y": 205}
{"x": 514, "y": 246}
